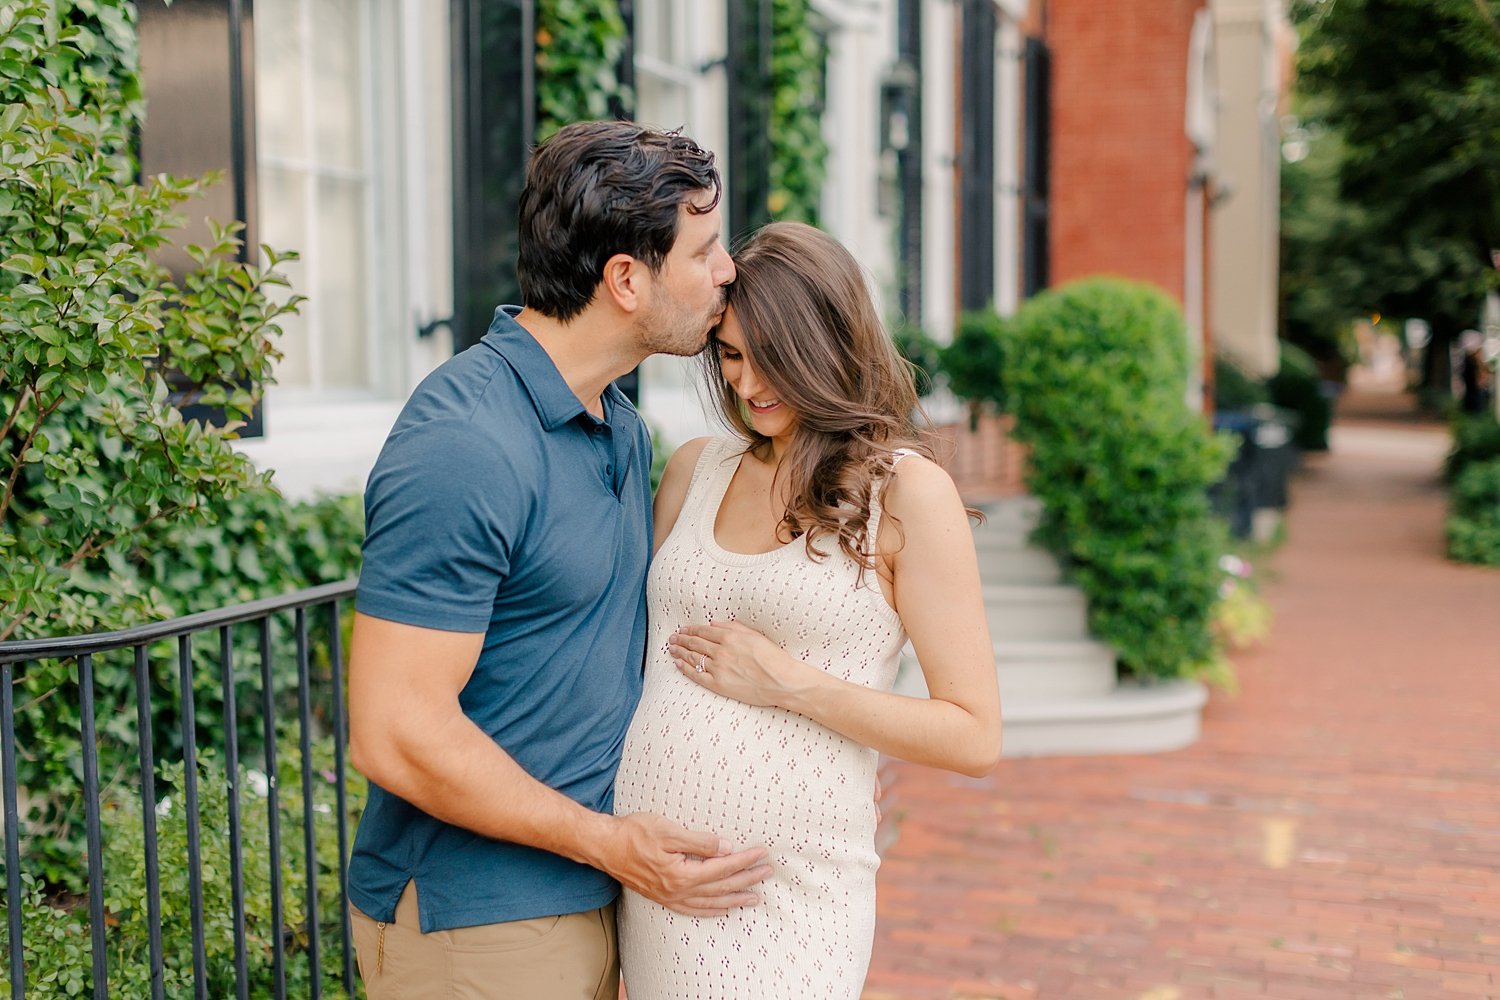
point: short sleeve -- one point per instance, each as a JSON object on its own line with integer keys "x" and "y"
{"x": 443, "y": 508}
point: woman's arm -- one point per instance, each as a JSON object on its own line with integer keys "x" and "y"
{"x": 672, "y": 490}
{"x": 937, "y": 594}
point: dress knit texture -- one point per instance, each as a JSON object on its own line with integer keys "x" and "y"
{"x": 758, "y": 775}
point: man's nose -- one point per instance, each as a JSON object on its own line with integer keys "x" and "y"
{"x": 726, "y": 270}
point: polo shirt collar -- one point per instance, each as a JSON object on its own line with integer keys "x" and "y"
{"x": 555, "y": 403}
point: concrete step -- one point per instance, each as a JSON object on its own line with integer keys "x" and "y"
{"x": 1012, "y": 512}
{"x": 1043, "y": 671}
{"x": 1001, "y": 538}
{"x": 1035, "y": 671}
{"x": 1133, "y": 718}
{"x": 1021, "y": 565}
{"x": 1129, "y": 718}
{"x": 1031, "y": 612}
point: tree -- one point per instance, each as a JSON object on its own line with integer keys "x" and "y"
{"x": 1412, "y": 90}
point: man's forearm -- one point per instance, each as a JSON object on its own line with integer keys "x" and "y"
{"x": 455, "y": 772}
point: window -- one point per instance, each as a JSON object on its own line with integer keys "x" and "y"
{"x": 317, "y": 192}
{"x": 665, "y": 77}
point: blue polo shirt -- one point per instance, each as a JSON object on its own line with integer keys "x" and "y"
{"x": 500, "y": 505}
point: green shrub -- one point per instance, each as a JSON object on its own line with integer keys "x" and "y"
{"x": 578, "y": 48}
{"x": 1096, "y": 377}
{"x": 921, "y": 351}
{"x": 1236, "y": 389}
{"x": 798, "y": 89}
{"x": 1298, "y": 387}
{"x": 56, "y": 934}
{"x": 114, "y": 510}
{"x": 975, "y": 362}
{"x": 1474, "y": 514}
{"x": 1476, "y": 438}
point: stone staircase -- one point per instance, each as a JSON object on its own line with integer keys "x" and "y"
{"x": 1059, "y": 693}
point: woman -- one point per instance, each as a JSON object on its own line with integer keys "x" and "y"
{"x": 794, "y": 560}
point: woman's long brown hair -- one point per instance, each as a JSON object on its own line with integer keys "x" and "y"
{"x": 813, "y": 335}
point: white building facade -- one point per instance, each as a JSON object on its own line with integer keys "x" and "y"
{"x": 360, "y": 153}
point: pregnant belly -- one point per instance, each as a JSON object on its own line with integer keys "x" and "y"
{"x": 752, "y": 775}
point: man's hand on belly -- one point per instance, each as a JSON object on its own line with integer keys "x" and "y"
{"x": 692, "y": 872}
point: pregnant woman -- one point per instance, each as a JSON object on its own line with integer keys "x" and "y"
{"x": 794, "y": 561}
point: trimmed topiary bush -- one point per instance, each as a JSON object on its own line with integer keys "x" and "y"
{"x": 921, "y": 351}
{"x": 1096, "y": 377}
{"x": 975, "y": 362}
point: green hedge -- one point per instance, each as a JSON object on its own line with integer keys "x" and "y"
{"x": 1475, "y": 439}
{"x": 922, "y": 352}
{"x": 1474, "y": 514}
{"x": 56, "y": 930}
{"x": 1235, "y": 388}
{"x": 1096, "y": 377}
{"x": 1298, "y": 387}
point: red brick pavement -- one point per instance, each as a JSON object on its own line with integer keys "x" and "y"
{"x": 1334, "y": 834}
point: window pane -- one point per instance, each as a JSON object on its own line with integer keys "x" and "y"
{"x": 654, "y": 35}
{"x": 278, "y": 79}
{"x": 338, "y": 82}
{"x": 341, "y": 283}
{"x": 283, "y": 218}
{"x": 661, "y": 103}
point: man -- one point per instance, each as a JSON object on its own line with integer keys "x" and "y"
{"x": 499, "y": 636}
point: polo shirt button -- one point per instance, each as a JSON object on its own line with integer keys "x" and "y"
{"x": 609, "y": 470}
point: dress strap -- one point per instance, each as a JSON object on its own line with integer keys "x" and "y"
{"x": 872, "y": 526}
{"x": 711, "y": 475}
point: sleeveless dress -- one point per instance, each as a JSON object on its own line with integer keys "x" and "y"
{"x": 758, "y": 775}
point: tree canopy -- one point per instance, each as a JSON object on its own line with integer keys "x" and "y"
{"x": 1406, "y": 96}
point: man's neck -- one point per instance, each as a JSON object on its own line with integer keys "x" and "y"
{"x": 588, "y": 351}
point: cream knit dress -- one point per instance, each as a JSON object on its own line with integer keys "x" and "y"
{"x": 758, "y": 775}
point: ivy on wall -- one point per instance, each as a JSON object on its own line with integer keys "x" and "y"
{"x": 799, "y": 153}
{"x": 579, "y": 44}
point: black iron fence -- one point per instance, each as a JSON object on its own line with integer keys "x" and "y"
{"x": 284, "y": 943}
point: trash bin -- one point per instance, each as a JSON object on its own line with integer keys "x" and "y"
{"x": 1257, "y": 477}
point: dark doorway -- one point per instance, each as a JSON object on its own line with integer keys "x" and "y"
{"x": 494, "y": 119}
{"x": 976, "y": 157}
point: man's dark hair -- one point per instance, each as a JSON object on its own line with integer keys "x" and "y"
{"x": 596, "y": 189}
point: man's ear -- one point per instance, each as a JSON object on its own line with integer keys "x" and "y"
{"x": 626, "y": 281}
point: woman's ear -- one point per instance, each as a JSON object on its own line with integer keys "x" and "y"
{"x": 624, "y": 281}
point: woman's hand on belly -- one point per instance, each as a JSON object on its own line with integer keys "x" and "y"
{"x": 738, "y": 662}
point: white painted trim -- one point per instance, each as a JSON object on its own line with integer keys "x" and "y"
{"x": 1008, "y": 140}
{"x": 939, "y": 264}
{"x": 1013, "y": 9}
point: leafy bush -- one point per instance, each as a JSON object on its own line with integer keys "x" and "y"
{"x": 1474, "y": 514}
{"x": 108, "y": 497}
{"x": 1236, "y": 389}
{"x": 56, "y": 928}
{"x": 921, "y": 351}
{"x": 799, "y": 153}
{"x": 1096, "y": 375}
{"x": 92, "y": 448}
{"x": 1298, "y": 387}
{"x": 578, "y": 48}
{"x": 975, "y": 362}
{"x": 1476, "y": 438}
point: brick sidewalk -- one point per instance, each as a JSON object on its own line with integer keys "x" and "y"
{"x": 1335, "y": 833}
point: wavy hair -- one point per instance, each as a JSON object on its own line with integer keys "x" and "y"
{"x": 812, "y": 332}
{"x": 596, "y": 189}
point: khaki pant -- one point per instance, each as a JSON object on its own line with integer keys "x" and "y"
{"x": 572, "y": 957}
